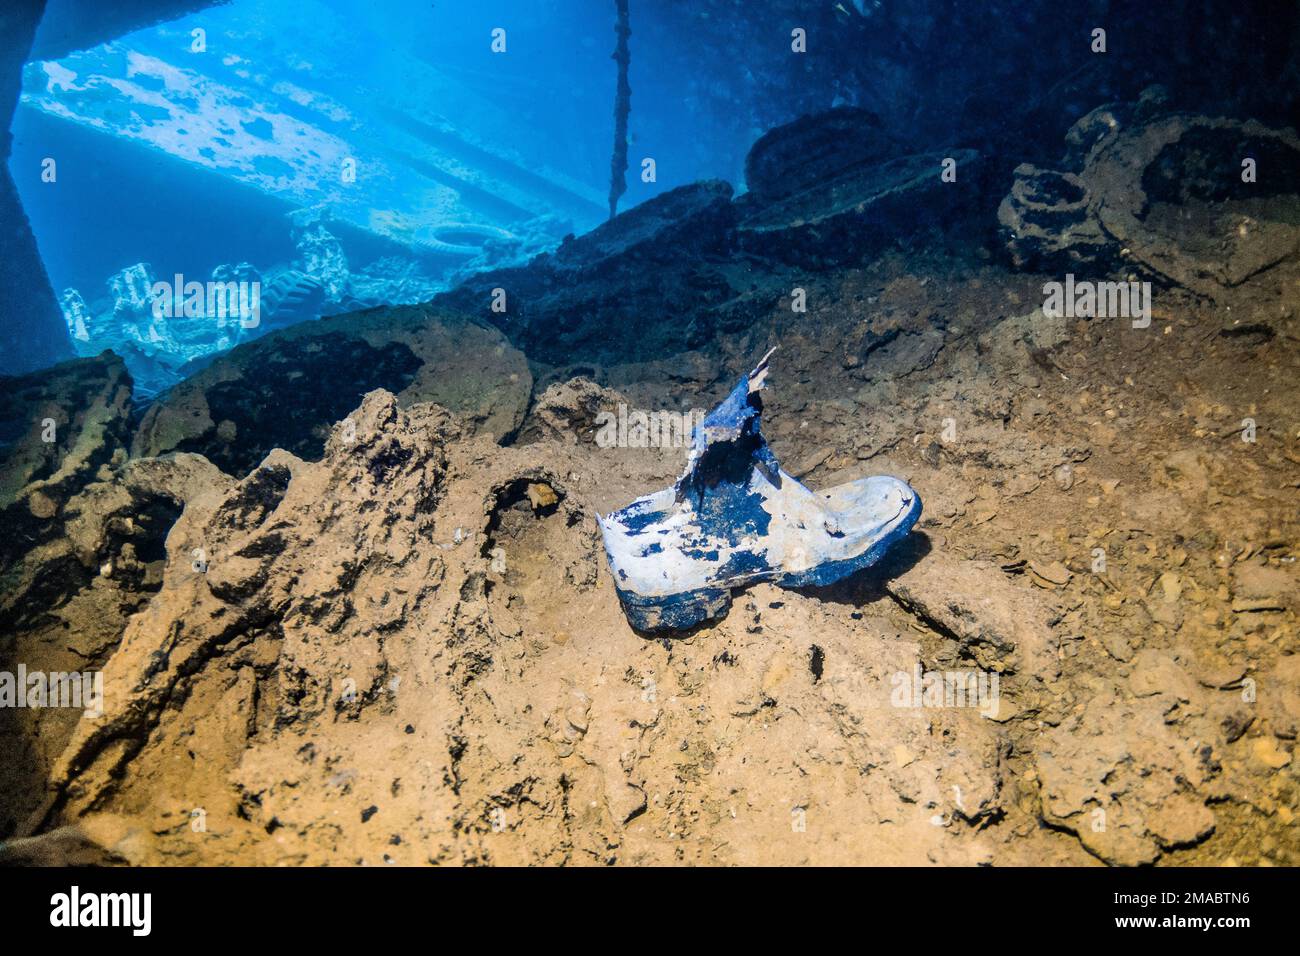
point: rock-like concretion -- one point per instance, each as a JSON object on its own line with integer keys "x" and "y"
{"x": 1172, "y": 192}
{"x": 285, "y": 390}
{"x": 1169, "y": 193}
{"x": 790, "y": 158}
{"x": 586, "y": 301}
{"x": 84, "y": 532}
{"x": 66, "y": 597}
{"x": 58, "y": 427}
{"x": 864, "y": 209}
{"x": 569, "y": 412}
{"x": 1046, "y": 221}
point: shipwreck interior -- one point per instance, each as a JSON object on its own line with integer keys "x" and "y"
{"x": 961, "y": 338}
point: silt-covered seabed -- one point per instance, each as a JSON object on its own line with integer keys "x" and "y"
{"x": 348, "y": 594}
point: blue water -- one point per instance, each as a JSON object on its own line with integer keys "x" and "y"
{"x": 164, "y": 149}
{"x": 397, "y": 126}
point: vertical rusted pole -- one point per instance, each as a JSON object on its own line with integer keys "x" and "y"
{"x": 622, "y": 106}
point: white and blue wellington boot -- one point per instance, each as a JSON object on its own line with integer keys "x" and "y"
{"x": 734, "y": 517}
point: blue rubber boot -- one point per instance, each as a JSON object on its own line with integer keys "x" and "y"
{"x": 735, "y": 517}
